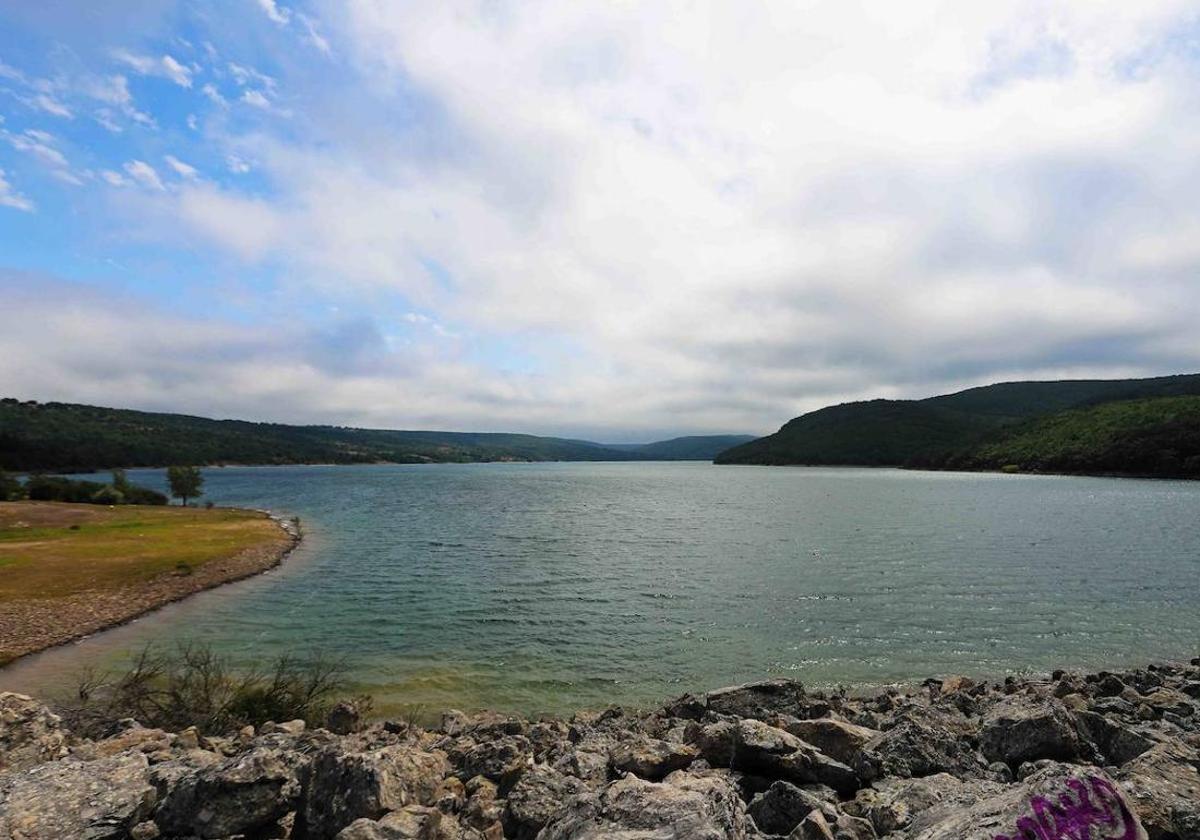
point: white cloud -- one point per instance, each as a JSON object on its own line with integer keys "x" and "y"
{"x": 115, "y": 179}
{"x": 165, "y": 66}
{"x": 256, "y": 99}
{"x": 39, "y": 144}
{"x": 278, "y": 14}
{"x": 237, "y": 165}
{"x": 144, "y": 174}
{"x": 313, "y": 35}
{"x": 182, "y": 169}
{"x": 114, "y": 90}
{"x": 11, "y": 197}
{"x": 214, "y": 95}
{"x": 50, "y": 105}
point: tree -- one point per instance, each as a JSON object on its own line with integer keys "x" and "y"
{"x": 10, "y": 488}
{"x": 185, "y": 482}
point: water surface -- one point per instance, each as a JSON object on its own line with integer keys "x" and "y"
{"x": 547, "y": 587}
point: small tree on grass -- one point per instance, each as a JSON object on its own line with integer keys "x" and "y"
{"x": 185, "y": 482}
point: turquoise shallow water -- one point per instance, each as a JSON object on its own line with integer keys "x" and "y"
{"x": 547, "y": 587}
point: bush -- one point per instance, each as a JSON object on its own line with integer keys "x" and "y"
{"x": 10, "y": 488}
{"x": 194, "y": 686}
{"x": 43, "y": 488}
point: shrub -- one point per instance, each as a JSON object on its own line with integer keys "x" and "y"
{"x": 10, "y": 488}
{"x": 195, "y": 686}
{"x": 108, "y": 495}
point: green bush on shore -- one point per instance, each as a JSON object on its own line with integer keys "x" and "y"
{"x": 42, "y": 488}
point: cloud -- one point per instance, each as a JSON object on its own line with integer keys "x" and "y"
{"x": 10, "y": 197}
{"x": 51, "y": 105}
{"x": 39, "y": 144}
{"x": 165, "y": 66}
{"x": 696, "y": 217}
{"x": 313, "y": 35}
{"x": 182, "y": 169}
{"x": 278, "y": 14}
{"x": 114, "y": 90}
{"x": 144, "y": 174}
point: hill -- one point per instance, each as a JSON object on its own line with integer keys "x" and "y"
{"x": 943, "y": 430}
{"x": 691, "y": 448}
{"x": 1156, "y": 437}
{"x": 80, "y": 438}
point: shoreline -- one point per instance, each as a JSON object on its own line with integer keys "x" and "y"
{"x": 86, "y": 614}
{"x": 1054, "y": 755}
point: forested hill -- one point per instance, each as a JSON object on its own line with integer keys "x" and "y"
{"x": 1049, "y": 426}
{"x": 79, "y": 438}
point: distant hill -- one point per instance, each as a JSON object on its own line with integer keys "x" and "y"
{"x": 692, "y": 448}
{"x": 80, "y": 438}
{"x": 956, "y": 429}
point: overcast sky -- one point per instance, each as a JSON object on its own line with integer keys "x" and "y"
{"x": 620, "y": 220}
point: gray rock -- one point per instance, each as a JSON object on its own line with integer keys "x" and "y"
{"x": 29, "y": 733}
{"x": 540, "y": 797}
{"x": 892, "y": 804}
{"x": 1020, "y": 729}
{"x": 1117, "y": 743}
{"x": 413, "y": 822}
{"x": 925, "y": 744}
{"x": 1163, "y": 784}
{"x": 782, "y": 806}
{"x": 344, "y": 718}
{"x": 80, "y": 800}
{"x": 1059, "y": 802}
{"x": 651, "y": 758}
{"x": 240, "y": 795}
{"x": 343, "y": 786}
{"x": 838, "y": 739}
{"x": 814, "y": 827}
{"x": 760, "y": 699}
{"x": 501, "y": 758}
{"x": 767, "y": 751}
{"x": 696, "y": 806}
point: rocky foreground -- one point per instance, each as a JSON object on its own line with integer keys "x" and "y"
{"x": 1108, "y": 755}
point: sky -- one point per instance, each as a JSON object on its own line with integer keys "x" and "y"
{"x": 616, "y": 220}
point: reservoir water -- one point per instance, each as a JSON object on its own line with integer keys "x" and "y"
{"x": 548, "y": 587}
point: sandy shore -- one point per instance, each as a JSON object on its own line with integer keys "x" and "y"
{"x": 35, "y": 625}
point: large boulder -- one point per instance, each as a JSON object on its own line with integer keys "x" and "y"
{"x": 924, "y": 743}
{"x": 774, "y": 753}
{"x": 413, "y": 822}
{"x": 1060, "y": 801}
{"x": 838, "y": 739}
{"x": 1116, "y": 742}
{"x": 80, "y": 800}
{"x": 244, "y": 794}
{"x": 1163, "y": 784}
{"x": 760, "y": 699}
{"x": 697, "y": 806}
{"x": 1020, "y": 729}
{"x": 651, "y": 758}
{"x": 890, "y": 805}
{"x": 540, "y": 796}
{"x": 29, "y": 733}
{"x": 343, "y": 786}
{"x": 782, "y": 806}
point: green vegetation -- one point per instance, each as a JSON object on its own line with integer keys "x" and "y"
{"x": 41, "y": 488}
{"x": 194, "y": 686}
{"x": 80, "y": 438}
{"x": 692, "y": 448}
{"x": 1157, "y": 437}
{"x": 50, "y": 550}
{"x": 1138, "y": 426}
{"x": 185, "y": 482}
{"x": 10, "y": 488}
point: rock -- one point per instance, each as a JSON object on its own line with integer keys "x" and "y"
{"x": 1117, "y": 743}
{"x": 413, "y": 822}
{"x": 538, "y": 798}
{"x": 760, "y": 699}
{"x": 814, "y": 827}
{"x": 847, "y": 827}
{"x": 774, "y": 753}
{"x": 499, "y": 758}
{"x": 925, "y": 744}
{"x": 696, "y": 806}
{"x": 345, "y": 786}
{"x": 1168, "y": 700}
{"x": 29, "y": 733}
{"x": 838, "y": 739}
{"x": 1110, "y": 686}
{"x": 651, "y": 758}
{"x": 1020, "y": 729}
{"x": 239, "y": 795}
{"x": 1163, "y": 785}
{"x": 147, "y": 830}
{"x": 1059, "y": 802}
{"x": 483, "y": 810}
{"x": 344, "y": 718}
{"x": 80, "y": 800}
{"x": 781, "y": 807}
{"x": 956, "y": 683}
{"x": 890, "y": 805}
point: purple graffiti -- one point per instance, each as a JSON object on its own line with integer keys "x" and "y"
{"x": 1095, "y": 812}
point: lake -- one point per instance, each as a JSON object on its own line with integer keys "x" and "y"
{"x": 548, "y": 587}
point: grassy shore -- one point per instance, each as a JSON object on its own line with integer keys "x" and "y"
{"x": 69, "y": 570}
